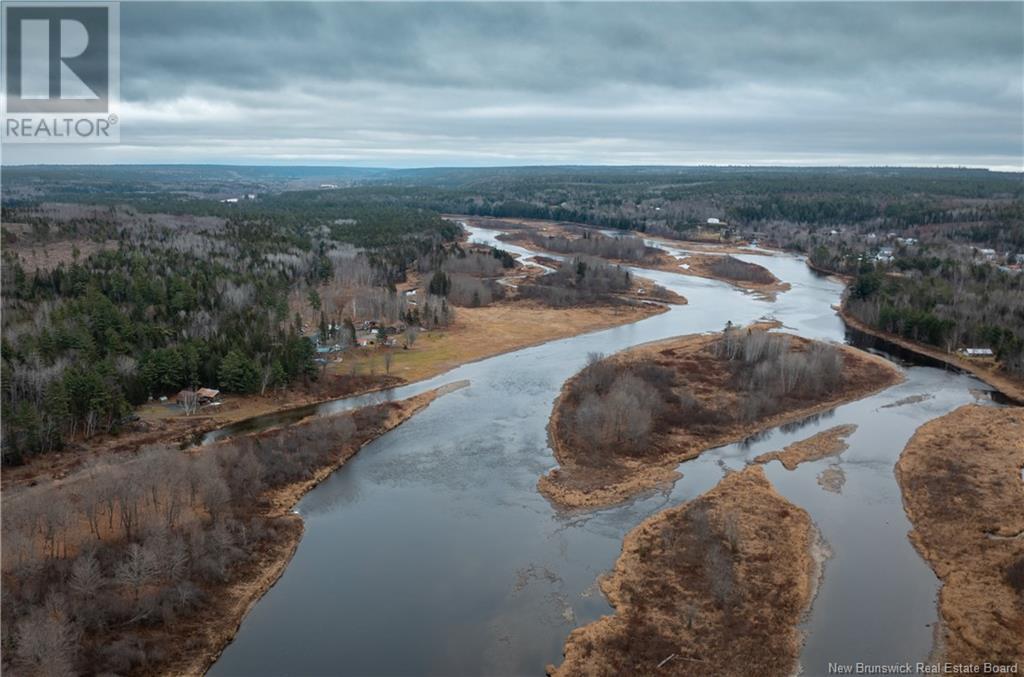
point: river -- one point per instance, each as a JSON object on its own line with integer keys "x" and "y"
{"x": 431, "y": 552}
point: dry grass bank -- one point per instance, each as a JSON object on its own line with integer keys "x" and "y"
{"x": 715, "y": 417}
{"x": 715, "y": 586}
{"x": 827, "y": 443}
{"x": 961, "y": 480}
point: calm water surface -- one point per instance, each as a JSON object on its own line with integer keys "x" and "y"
{"x": 431, "y": 552}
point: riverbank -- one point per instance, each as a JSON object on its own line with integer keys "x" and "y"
{"x": 207, "y": 637}
{"x": 1012, "y": 388}
{"x": 715, "y": 586}
{"x": 961, "y": 481}
{"x": 718, "y": 411}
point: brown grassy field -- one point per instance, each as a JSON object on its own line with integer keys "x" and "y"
{"x": 715, "y": 586}
{"x": 479, "y": 333}
{"x": 961, "y": 480}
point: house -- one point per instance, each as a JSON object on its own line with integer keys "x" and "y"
{"x": 202, "y": 395}
{"x": 714, "y": 222}
{"x": 207, "y": 395}
{"x": 885, "y": 255}
{"x": 230, "y": 200}
{"x": 978, "y": 352}
{"x": 988, "y": 253}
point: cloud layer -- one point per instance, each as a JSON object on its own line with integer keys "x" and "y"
{"x": 398, "y": 84}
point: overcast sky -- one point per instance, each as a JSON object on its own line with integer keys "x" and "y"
{"x": 407, "y": 85}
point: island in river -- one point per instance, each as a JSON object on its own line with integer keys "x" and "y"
{"x": 624, "y": 423}
{"x": 711, "y": 261}
{"x": 715, "y": 586}
{"x": 961, "y": 481}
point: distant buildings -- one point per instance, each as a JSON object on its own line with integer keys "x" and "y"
{"x": 977, "y": 352}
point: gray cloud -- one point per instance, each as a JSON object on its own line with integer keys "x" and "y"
{"x": 401, "y": 84}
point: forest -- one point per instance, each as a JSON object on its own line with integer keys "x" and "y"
{"x": 167, "y": 301}
{"x": 950, "y": 305}
{"x": 126, "y": 283}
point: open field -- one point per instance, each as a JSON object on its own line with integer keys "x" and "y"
{"x": 479, "y": 333}
{"x": 961, "y": 480}
{"x": 715, "y": 586}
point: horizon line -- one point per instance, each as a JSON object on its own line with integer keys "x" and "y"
{"x": 1006, "y": 169}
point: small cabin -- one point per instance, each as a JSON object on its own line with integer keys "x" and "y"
{"x": 203, "y": 395}
{"x": 978, "y": 352}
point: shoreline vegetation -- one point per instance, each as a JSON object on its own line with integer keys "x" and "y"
{"x": 960, "y": 476}
{"x": 706, "y": 391}
{"x": 149, "y": 563}
{"x": 715, "y": 586}
{"x": 1011, "y": 388}
{"x": 240, "y": 596}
